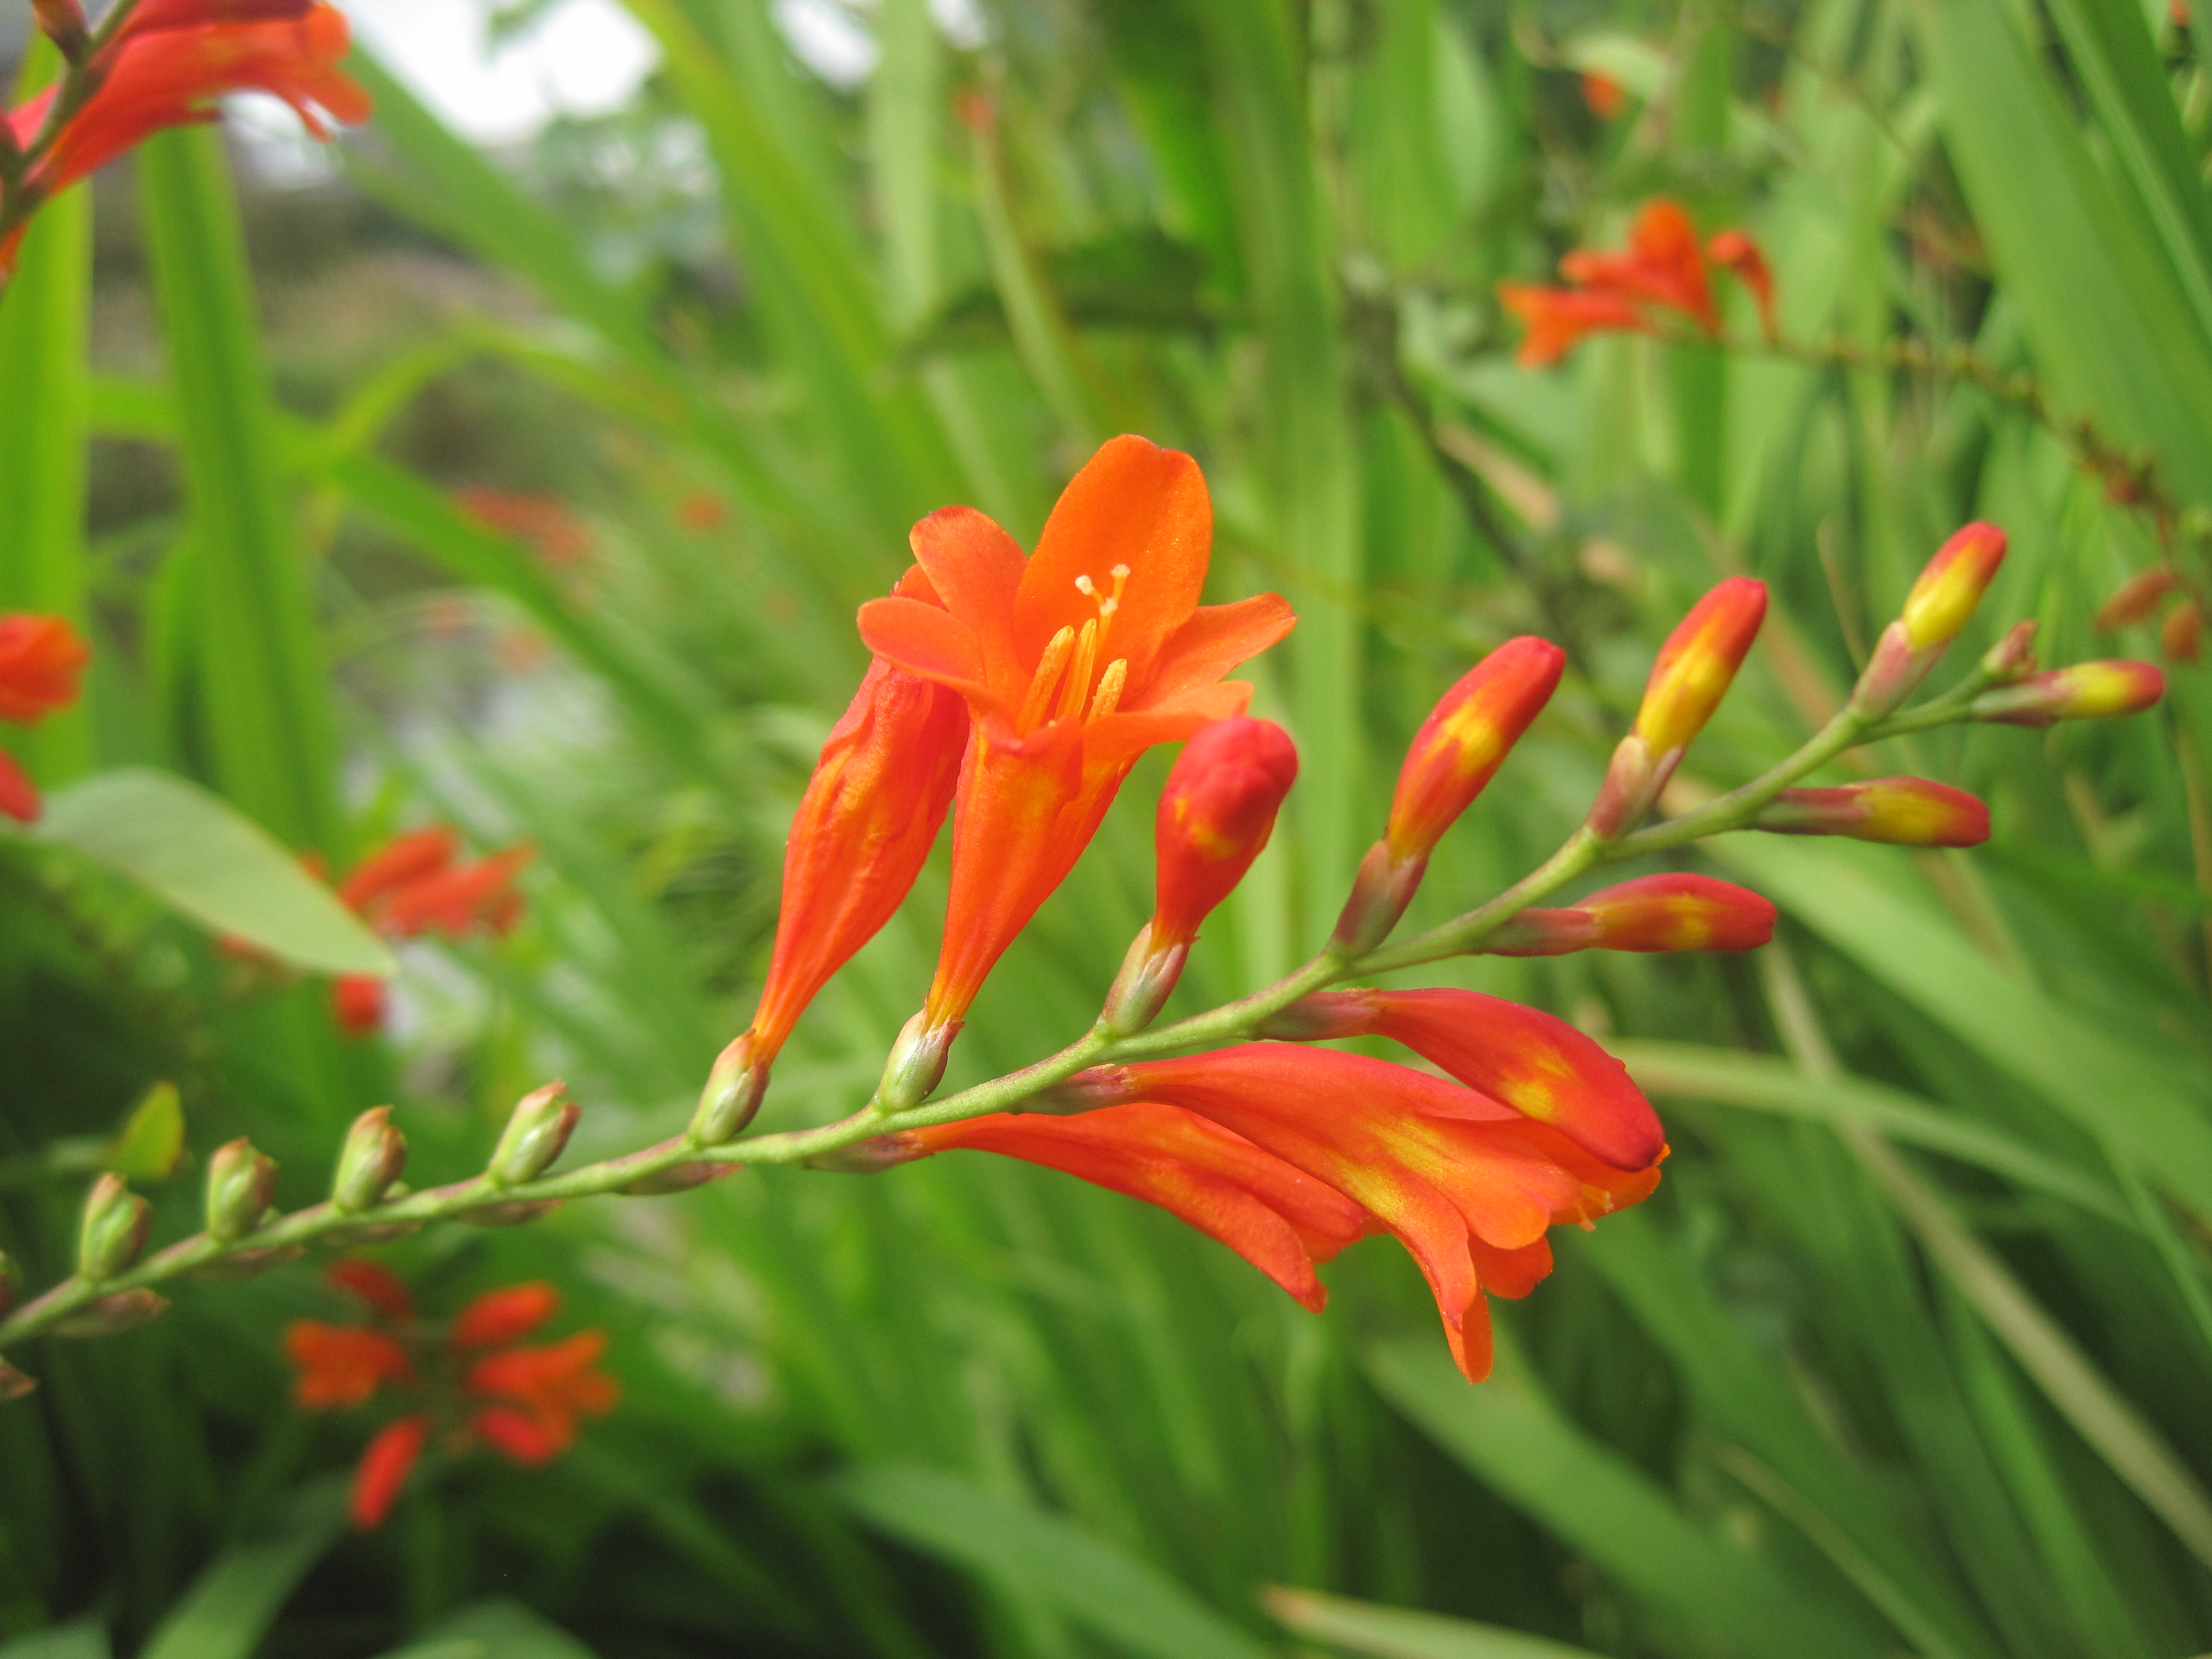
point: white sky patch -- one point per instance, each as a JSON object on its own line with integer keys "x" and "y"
{"x": 582, "y": 57}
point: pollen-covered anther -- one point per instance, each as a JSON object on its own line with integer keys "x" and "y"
{"x": 1046, "y": 680}
{"x": 1110, "y": 685}
{"x": 1075, "y": 689}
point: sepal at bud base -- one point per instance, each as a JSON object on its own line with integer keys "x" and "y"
{"x": 1146, "y": 979}
{"x": 916, "y": 1064}
{"x": 14, "y": 1385}
{"x": 1466, "y": 738}
{"x": 1698, "y": 665}
{"x": 374, "y": 1154}
{"x": 1380, "y": 893}
{"x": 114, "y": 1230}
{"x": 1542, "y": 933}
{"x": 241, "y": 1184}
{"x": 536, "y": 1134}
{"x": 733, "y": 1094}
{"x": 2087, "y": 690}
{"x": 111, "y": 1316}
{"x": 1899, "y": 812}
{"x": 1216, "y": 813}
{"x": 869, "y": 1156}
{"x": 1633, "y": 779}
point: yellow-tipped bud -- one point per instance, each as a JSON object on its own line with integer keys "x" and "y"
{"x": 1698, "y": 663}
{"x": 2086, "y": 691}
{"x": 1951, "y": 585}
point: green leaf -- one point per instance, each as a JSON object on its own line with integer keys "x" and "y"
{"x": 1393, "y": 1633}
{"x": 230, "y": 1607}
{"x": 494, "y": 1630}
{"x": 152, "y": 1139}
{"x": 1128, "y": 1602}
{"x": 86, "y": 1639}
{"x": 214, "y": 865}
{"x": 1517, "y": 1442}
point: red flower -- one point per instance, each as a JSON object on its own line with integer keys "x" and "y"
{"x": 1557, "y": 318}
{"x": 1468, "y": 1185}
{"x": 1662, "y": 265}
{"x": 1466, "y": 740}
{"x": 551, "y": 1387}
{"x": 1072, "y": 663}
{"x": 174, "y": 71}
{"x": 864, "y": 828}
{"x": 357, "y": 1003}
{"x": 384, "y": 1469}
{"x": 1281, "y": 1221}
{"x": 342, "y": 1364}
{"x": 499, "y": 1317}
{"x": 1698, "y": 663}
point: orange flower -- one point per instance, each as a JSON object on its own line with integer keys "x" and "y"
{"x": 863, "y": 830}
{"x": 1541, "y": 1066}
{"x": 404, "y": 859}
{"x": 499, "y": 1317}
{"x": 1072, "y": 663}
{"x": 342, "y": 1364}
{"x": 1282, "y": 1222}
{"x": 1663, "y": 264}
{"x": 1901, "y": 811}
{"x": 174, "y": 72}
{"x": 1650, "y": 914}
{"x": 384, "y": 1469}
{"x": 41, "y": 660}
{"x": 1468, "y": 1185}
{"x": 1557, "y": 318}
{"x": 551, "y": 1386}
{"x": 1733, "y": 252}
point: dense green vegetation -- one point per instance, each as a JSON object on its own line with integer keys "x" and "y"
{"x": 1910, "y": 1350}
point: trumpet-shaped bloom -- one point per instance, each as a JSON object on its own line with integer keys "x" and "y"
{"x": 1216, "y": 813}
{"x": 504, "y": 1315}
{"x": 418, "y": 884}
{"x": 551, "y": 1386}
{"x": 1901, "y": 811}
{"x": 864, "y": 829}
{"x": 1072, "y": 663}
{"x": 1540, "y": 1065}
{"x": 41, "y": 658}
{"x": 1698, "y": 663}
{"x": 1468, "y": 1184}
{"x": 1282, "y": 1222}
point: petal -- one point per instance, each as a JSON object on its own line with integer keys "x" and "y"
{"x": 1117, "y": 739}
{"x": 1214, "y": 640}
{"x": 383, "y": 1469}
{"x": 925, "y": 640}
{"x": 977, "y": 568}
{"x": 1133, "y": 504}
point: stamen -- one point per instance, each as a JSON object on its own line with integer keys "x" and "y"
{"x": 1046, "y": 680}
{"x": 1110, "y": 689}
{"x": 1077, "y": 686}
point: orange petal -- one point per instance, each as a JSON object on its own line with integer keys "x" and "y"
{"x": 1136, "y": 505}
{"x": 977, "y": 568}
{"x": 1214, "y": 640}
{"x": 926, "y": 640}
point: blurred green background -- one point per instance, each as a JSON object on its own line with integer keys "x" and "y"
{"x": 1912, "y": 1351}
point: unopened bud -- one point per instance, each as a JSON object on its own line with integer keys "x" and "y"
{"x": 916, "y": 1064}
{"x": 111, "y": 1316}
{"x": 1216, "y": 813}
{"x": 732, "y": 1093}
{"x": 1698, "y": 663}
{"x": 63, "y": 21}
{"x": 1679, "y": 913}
{"x": 1466, "y": 738}
{"x": 2136, "y": 598}
{"x": 870, "y": 1156}
{"x": 535, "y": 1135}
{"x": 2012, "y": 658}
{"x": 2181, "y": 636}
{"x": 1380, "y": 893}
{"x": 371, "y": 1160}
{"x": 1901, "y": 811}
{"x": 1633, "y": 779}
{"x": 14, "y": 1385}
{"x": 116, "y": 1223}
{"x": 1942, "y": 601}
{"x": 1142, "y": 987}
{"x": 2087, "y": 690}
{"x": 241, "y": 1184}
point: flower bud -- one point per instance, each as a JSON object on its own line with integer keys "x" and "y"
{"x": 1677, "y": 913}
{"x": 371, "y": 1160}
{"x": 1215, "y": 816}
{"x": 2012, "y": 658}
{"x": 1698, "y": 664}
{"x": 535, "y": 1135}
{"x": 1466, "y": 737}
{"x": 2086, "y": 691}
{"x": 1139, "y": 990}
{"x": 241, "y": 1184}
{"x": 916, "y": 1064}
{"x": 111, "y": 1316}
{"x": 1380, "y": 893}
{"x": 870, "y": 1156}
{"x": 2136, "y": 598}
{"x": 14, "y": 1385}
{"x": 116, "y": 1223}
{"x": 732, "y": 1093}
{"x": 1901, "y": 811}
{"x": 1951, "y": 586}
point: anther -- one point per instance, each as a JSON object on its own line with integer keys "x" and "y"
{"x": 1046, "y": 680}
{"x": 1076, "y": 685}
{"x": 1110, "y": 688}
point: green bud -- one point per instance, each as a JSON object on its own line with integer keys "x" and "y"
{"x": 535, "y": 1135}
{"x": 732, "y": 1096}
{"x": 111, "y": 1315}
{"x": 373, "y": 1154}
{"x": 116, "y": 1223}
{"x": 240, "y": 1184}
